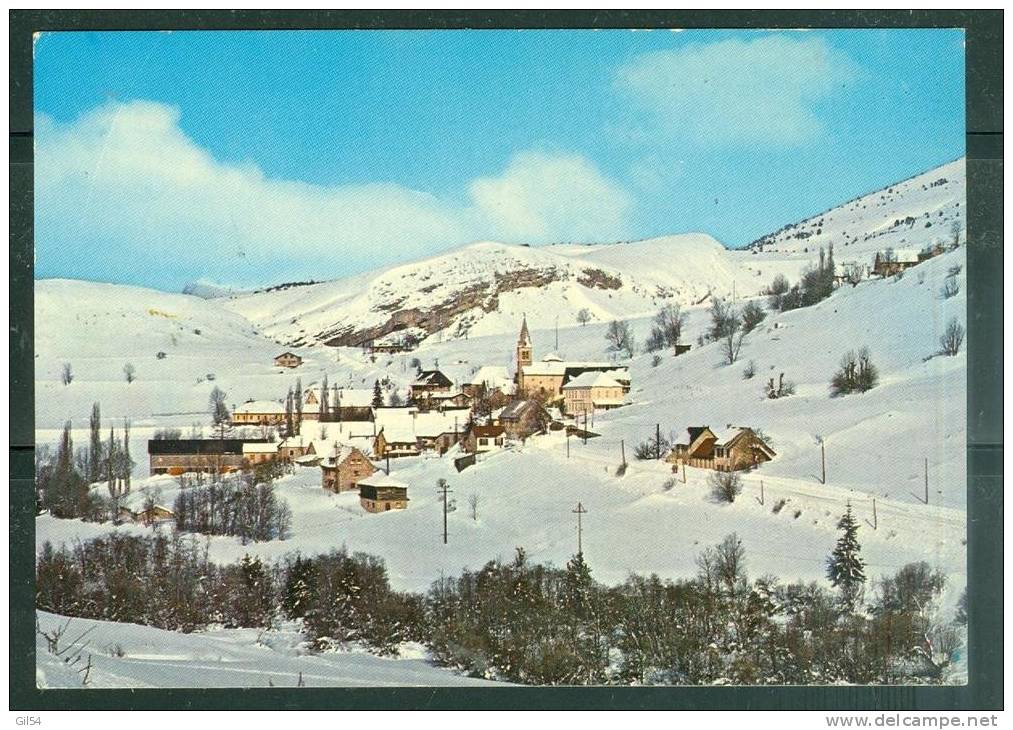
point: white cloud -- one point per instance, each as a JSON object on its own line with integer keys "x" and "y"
{"x": 124, "y": 189}
{"x": 543, "y": 196}
{"x": 738, "y": 92}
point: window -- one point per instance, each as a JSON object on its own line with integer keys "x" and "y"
{"x": 386, "y": 506}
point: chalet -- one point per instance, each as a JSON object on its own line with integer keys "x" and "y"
{"x": 679, "y": 350}
{"x": 350, "y": 404}
{"x": 739, "y": 448}
{"x": 288, "y": 360}
{"x": 259, "y": 413}
{"x": 592, "y": 391}
{"x": 380, "y": 493}
{"x": 258, "y": 452}
{"x": 428, "y": 383}
{"x": 488, "y": 379}
{"x": 522, "y": 418}
{"x": 270, "y": 413}
{"x": 408, "y": 432}
{"x": 890, "y": 262}
{"x": 930, "y": 252}
{"x": 178, "y": 456}
{"x": 449, "y": 401}
{"x": 295, "y": 447}
{"x": 481, "y": 439}
{"x": 343, "y": 467}
{"x": 545, "y": 378}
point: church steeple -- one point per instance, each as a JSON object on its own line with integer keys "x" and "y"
{"x": 524, "y": 338}
{"x": 524, "y": 349}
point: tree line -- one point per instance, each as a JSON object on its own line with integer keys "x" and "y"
{"x": 533, "y": 623}
{"x": 63, "y": 476}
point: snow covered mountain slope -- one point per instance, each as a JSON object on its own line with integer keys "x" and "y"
{"x": 99, "y": 328}
{"x": 910, "y": 214}
{"x": 132, "y": 656}
{"x": 484, "y": 287}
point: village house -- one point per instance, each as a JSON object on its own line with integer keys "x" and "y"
{"x": 592, "y": 391}
{"x": 288, "y": 360}
{"x": 344, "y": 467}
{"x": 448, "y": 401}
{"x": 270, "y": 413}
{"x": 545, "y": 378}
{"x": 890, "y": 262}
{"x": 156, "y": 514}
{"x": 482, "y": 439}
{"x": 409, "y": 432}
{"x": 259, "y": 413}
{"x": 295, "y": 447}
{"x": 488, "y": 379}
{"x": 739, "y": 448}
{"x": 258, "y": 452}
{"x": 522, "y": 418}
{"x": 380, "y": 493}
{"x": 428, "y": 383}
{"x": 214, "y": 456}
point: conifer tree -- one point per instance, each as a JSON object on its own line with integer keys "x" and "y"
{"x": 298, "y": 405}
{"x": 128, "y": 464}
{"x": 95, "y": 446}
{"x": 325, "y": 404}
{"x": 845, "y": 567}
{"x": 300, "y": 588}
{"x": 377, "y": 395}
{"x": 289, "y": 420}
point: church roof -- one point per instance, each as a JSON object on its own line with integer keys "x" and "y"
{"x": 524, "y": 338}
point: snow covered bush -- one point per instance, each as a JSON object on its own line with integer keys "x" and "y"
{"x": 951, "y": 287}
{"x": 725, "y": 486}
{"x": 952, "y": 338}
{"x": 857, "y": 374}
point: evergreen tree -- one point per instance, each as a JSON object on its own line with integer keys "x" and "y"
{"x": 95, "y": 446}
{"x": 298, "y": 405}
{"x": 289, "y": 420}
{"x": 128, "y": 463}
{"x": 300, "y": 588}
{"x": 845, "y": 567}
{"x": 377, "y": 395}
{"x": 325, "y": 405}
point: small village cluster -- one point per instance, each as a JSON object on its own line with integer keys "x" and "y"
{"x": 345, "y": 432}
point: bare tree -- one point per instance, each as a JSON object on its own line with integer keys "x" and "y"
{"x": 129, "y": 372}
{"x": 620, "y": 337}
{"x": 951, "y": 287}
{"x": 473, "y": 506}
{"x": 583, "y": 316}
{"x": 955, "y": 230}
{"x": 953, "y": 337}
{"x": 66, "y": 374}
{"x": 731, "y": 344}
{"x": 725, "y": 485}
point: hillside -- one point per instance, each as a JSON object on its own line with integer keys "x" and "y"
{"x": 485, "y": 287}
{"x": 910, "y": 214}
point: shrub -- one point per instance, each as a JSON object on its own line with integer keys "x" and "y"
{"x": 655, "y": 361}
{"x": 951, "y": 287}
{"x": 752, "y": 315}
{"x": 669, "y": 484}
{"x": 159, "y": 355}
{"x": 652, "y": 448}
{"x": 953, "y": 337}
{"x": 857, "y": 374}
{"x": 779, "y": 505}
{"x": 749, "y": 371}
{"x": 782, "y": 389}
{"x": 725, "y": 486}
{"x": 66, "y": 374}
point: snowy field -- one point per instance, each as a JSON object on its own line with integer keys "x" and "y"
{"x": 877, "y": 443}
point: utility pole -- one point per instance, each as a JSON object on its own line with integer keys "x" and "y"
{"x": 761, "y": 492}
{"x": 443, "y": 489}
{"x": 567, "y": 444}
{"x": 657, "y": 441}
{"x": 926, "y": 480}
{"x": 875, "y": 518}
{"x": 622, "y": 450}
{"x": 585, "y": 425}
{"x": 823, "y": 459}
{"x": 580, "y": 527}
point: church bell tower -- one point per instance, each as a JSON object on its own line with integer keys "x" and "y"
{"x": 524, "y": 355}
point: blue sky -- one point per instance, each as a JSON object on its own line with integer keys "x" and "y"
{"x": 255, "y": 157}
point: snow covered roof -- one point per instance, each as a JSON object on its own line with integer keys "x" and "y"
{"x": 332, "y": 454}
{"x": 261, "y": 407}
{"x": 491, "y": 376}
{"x": 379, "y": 479}
{"x": 353, "y": 398}
{"x": 561, "y": 367}
{"x": 402, "y": 425}
{"x": 592, "y": 379}
{"x": 903, "y": 255}
{"x": 552, "y": 357}
{"x": 432, "y": 378}
{"x": 260, "y": 447}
